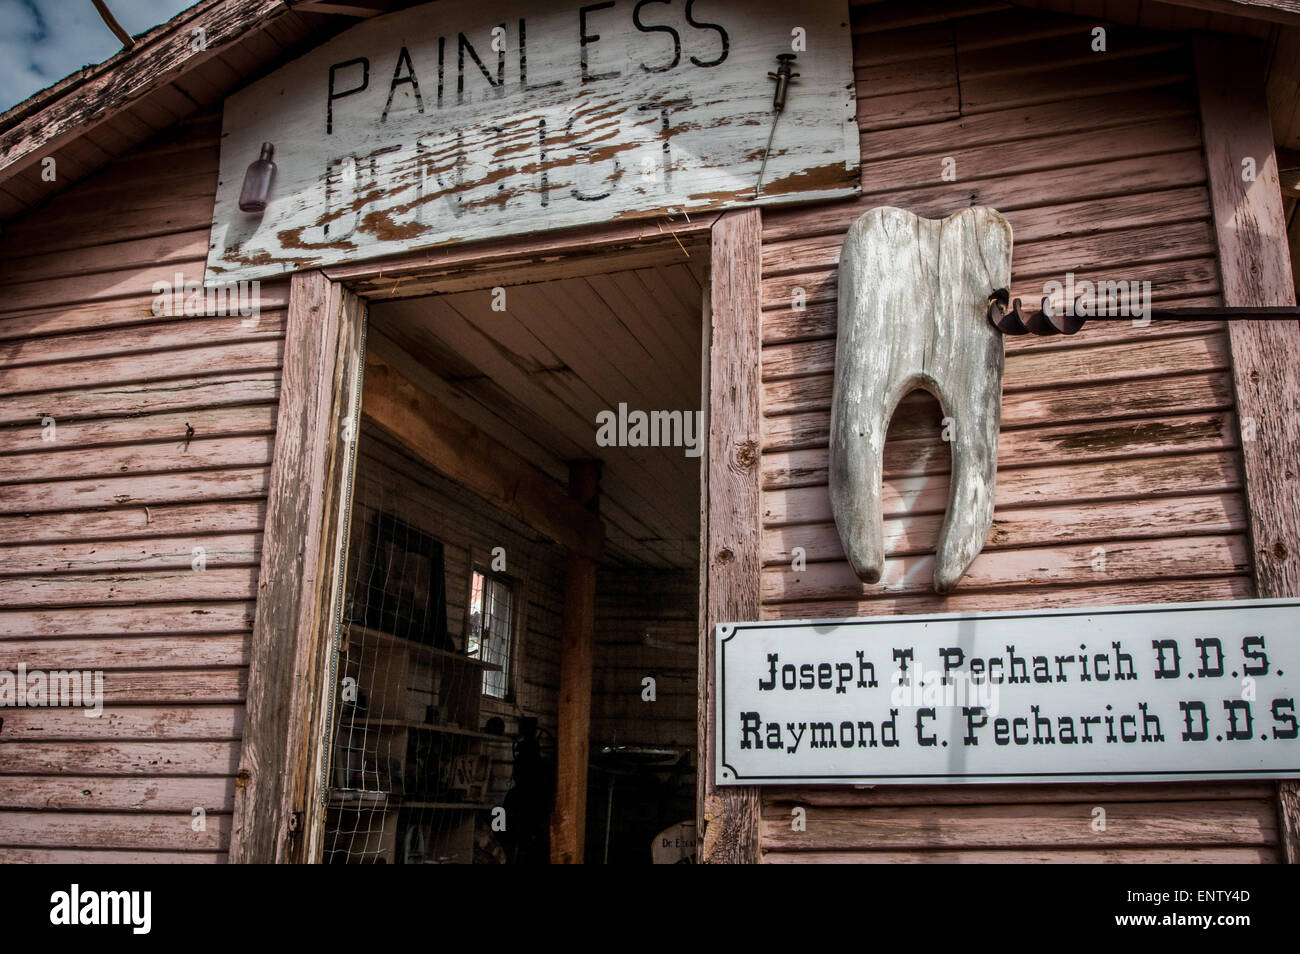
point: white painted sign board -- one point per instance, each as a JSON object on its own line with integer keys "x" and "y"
{"x": 465, "y": 120}
{"x": 1189, "y": 691}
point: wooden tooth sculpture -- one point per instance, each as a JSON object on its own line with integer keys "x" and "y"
{"x": 913, "y": 302}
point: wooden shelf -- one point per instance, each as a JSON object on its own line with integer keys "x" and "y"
{"x": 346, "y": 799}
{"x": 390, "y": 800}
{"x": 421, "y": 727}
{"x": 387, "y": 665}
{"x": 418, "y": 649}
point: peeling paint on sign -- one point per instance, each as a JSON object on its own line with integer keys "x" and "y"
{"x": 455, "y": 122}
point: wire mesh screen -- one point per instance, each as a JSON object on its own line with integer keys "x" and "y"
{"x": 435, "y": 758}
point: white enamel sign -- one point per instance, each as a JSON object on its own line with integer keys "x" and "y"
{"x": 461, "y": 121}
{"x": 1120, "y": 694}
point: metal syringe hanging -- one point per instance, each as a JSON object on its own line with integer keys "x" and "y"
{"x": 783, "y": 77}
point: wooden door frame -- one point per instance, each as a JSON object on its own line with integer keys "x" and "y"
{"x": 731, "y": 516}
{"x": 281, "y": 768}
{"x": 280, "y": 784}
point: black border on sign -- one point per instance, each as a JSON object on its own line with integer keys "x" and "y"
{"x": 725, "y": 632}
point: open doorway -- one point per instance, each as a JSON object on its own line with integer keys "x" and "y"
{"x": 449, "y": 719}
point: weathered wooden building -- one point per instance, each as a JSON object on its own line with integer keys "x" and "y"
{"x": 354, "y": 556}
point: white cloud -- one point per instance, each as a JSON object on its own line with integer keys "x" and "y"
{"x": 42, "y": 41}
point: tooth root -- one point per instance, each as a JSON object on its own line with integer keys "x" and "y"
{"x": 913, "y": 297}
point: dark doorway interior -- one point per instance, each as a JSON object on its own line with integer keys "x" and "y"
{"x": 445, "y": 725}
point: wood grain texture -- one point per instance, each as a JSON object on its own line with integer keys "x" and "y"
{"x": 125, "y": 723}
{"x": 47, "y": 349}
{"x": 1045, "y": 856}
{"x": 94, "y": 793}
{"x": 1068, "y": 523}
{"x": 1209, "y": 556}
{"x": 573, "y": 719}
{"x": 1128, "y": 824}
{"x": 1254, "y": 258}
{"x": 107, "y": 856}
{"x": 299, "y": 563}
{"x": 175, "y": 552}
{"x": 136, "y": 492}
{"x": 169, "y": 428}
{"x": 161, "y": 620}
{"x": 1100, "y": 593}
{"x": 912, "y": 297}
{"x": 127, "y": 400}
{"x": 1010, "y": 794}
{"x": 203, "y": 651}
{"x": 1173, "y": 390}
{"x": 623, "y": 245}
{"x": 251, "y": 356}
{"x": 915, "y": 443}
{"x": 311, "y": 720}
{"x": 151, "y": 759}
{"x": 163, "y": 831}
{"x": 732, "y": 543}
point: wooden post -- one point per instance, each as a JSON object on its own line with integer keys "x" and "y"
{"x": 577, "y": 625}
{"x": 1255, "y": 265}
{"x": 278, "y": 787}
{"x": 729, "y": 816}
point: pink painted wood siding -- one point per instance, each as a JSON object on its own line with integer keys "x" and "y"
{"x": 98, "y": 527}
{"x": 1120, "y": 438}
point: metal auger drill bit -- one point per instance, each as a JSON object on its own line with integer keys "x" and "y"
{"x": 1043, "y": 322}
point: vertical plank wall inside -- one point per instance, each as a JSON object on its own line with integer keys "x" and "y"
{"x": 1118, "y": 443}
{"x": 106, "y": 508}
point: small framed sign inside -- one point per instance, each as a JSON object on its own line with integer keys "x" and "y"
{"x": 1191, "y": 691}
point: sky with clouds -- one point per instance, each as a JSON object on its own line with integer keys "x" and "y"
{"x": 42, "y": 41}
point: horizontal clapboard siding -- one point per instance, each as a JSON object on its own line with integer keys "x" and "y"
{"x": 101, "y": 526}
{"x": 1120, "y": 438}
